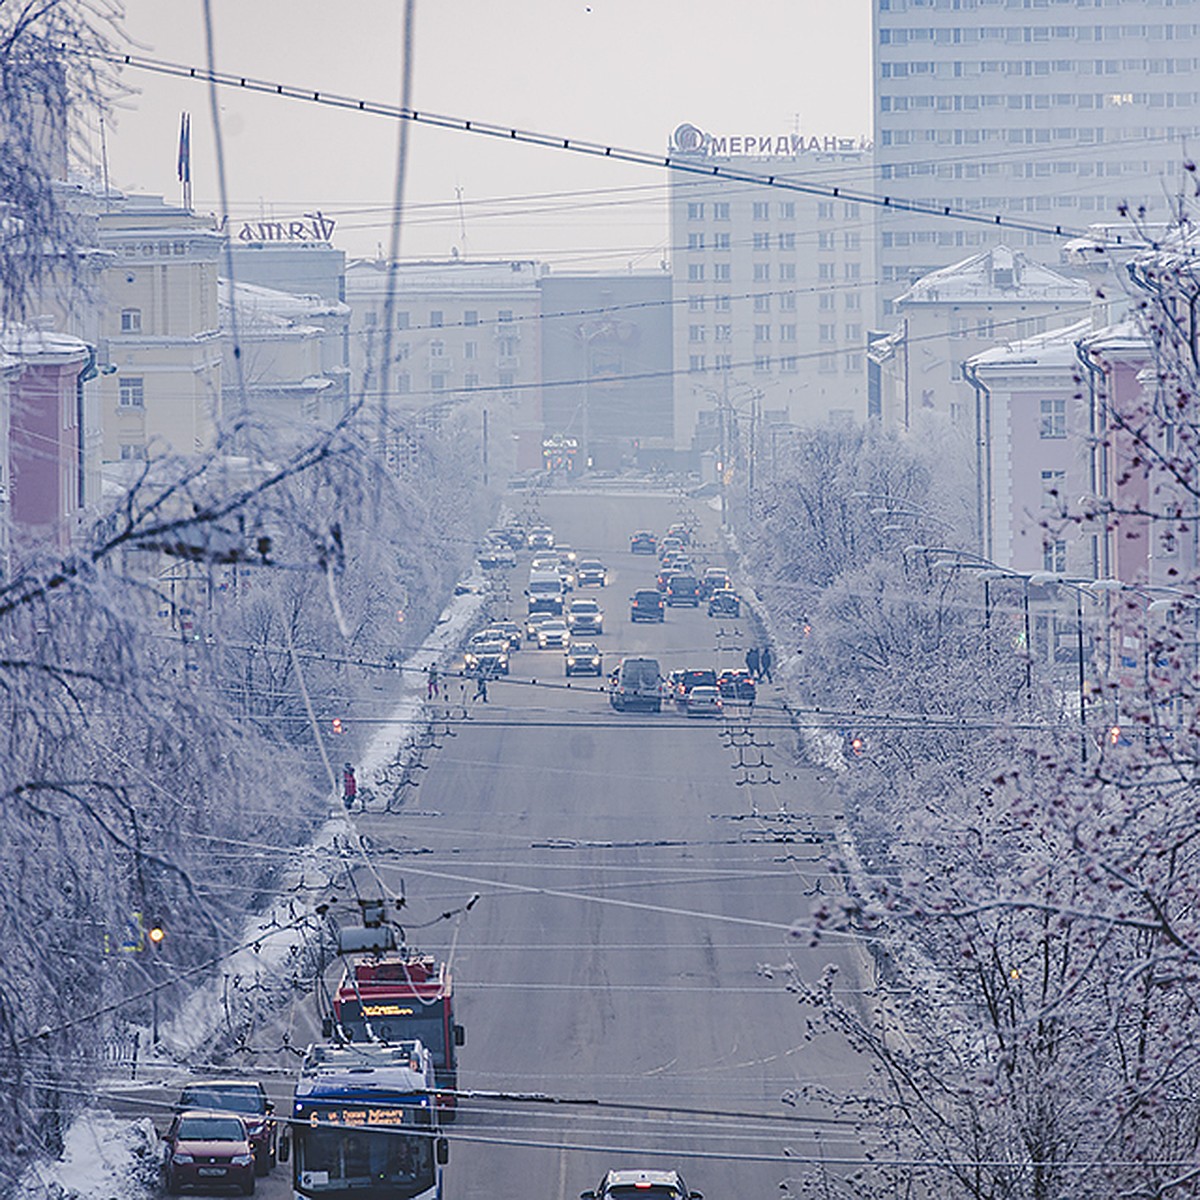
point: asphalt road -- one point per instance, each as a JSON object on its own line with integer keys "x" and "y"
{"x": 629, "y": 944}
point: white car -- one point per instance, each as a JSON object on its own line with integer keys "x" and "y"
{"x": 584, "y": 616}
{"x": 553, "y": 635}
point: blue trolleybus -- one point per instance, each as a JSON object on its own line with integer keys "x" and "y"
{"x": 364, "y": 1124}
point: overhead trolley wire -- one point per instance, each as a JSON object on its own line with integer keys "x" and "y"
{"x": 682, "y": 164}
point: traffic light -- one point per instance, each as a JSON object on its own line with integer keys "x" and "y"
{"x": 856, "y": 745}
{"x": 1114, "y": 735}
{"x": 336, "y": 725}
{"x": 156, "y": 933}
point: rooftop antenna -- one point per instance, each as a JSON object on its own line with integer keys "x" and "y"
{"x": 183, "y": 165}
{"x": 104, "y": 163}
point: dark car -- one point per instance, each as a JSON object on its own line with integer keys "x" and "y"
{"x": 208, "y": 1149}
{"x": 683, "y": 589}
{"x": 638, "y": 685}
{"x": 633, "y": 1185}
{"x": 724, "y": 602}
{"x": 643, "y": 542}
{"x": 584, "y": 658}
{"x": 248, "y": 1099}
{"x": 590, "y": 572}
{"x": 646, "y": 604}
{"x": 684, "y": 681}
{"x": 737, "y": 683}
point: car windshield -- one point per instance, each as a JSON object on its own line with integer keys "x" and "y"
{"x": 584, "y": 650}
{"x": 591, "y": 565}
{"x": 211, "y": 1129}
{"x": 584, "y": 606}
{"x": 640, "y": 673}
{"x": 231, "y": 1099}
{"x": 683, "y": 581}
{"x": 646, "y": 598}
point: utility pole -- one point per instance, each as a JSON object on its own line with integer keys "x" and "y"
{"x": 485, "y": 447}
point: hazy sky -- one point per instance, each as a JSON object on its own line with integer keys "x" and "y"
{"x": 624, "y": 72}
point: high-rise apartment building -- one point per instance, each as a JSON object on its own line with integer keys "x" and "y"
{"x": 1054, "y": 112}
{"x": 773, "y": 289}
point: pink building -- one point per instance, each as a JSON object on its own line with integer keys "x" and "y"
{"x": 45, "y": 424}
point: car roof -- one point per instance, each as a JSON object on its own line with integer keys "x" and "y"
{"x": 214, "y": 1112}
{"x": 584, "y": 647}
{"x": 624, "y": 1178}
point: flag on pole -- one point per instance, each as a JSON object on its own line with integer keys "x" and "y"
{"x": 184, "y": 165}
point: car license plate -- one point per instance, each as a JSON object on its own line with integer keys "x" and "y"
{"x": 211, "y": 1171}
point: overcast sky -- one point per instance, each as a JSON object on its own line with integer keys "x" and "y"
{"x": 623, "y": 72}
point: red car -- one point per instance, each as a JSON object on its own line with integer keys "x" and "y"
{"x": 207, "y": 1150}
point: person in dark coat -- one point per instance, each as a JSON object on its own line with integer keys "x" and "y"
{"x": 349, "y": 786}
{"x": 764, "y": 664}
{"x": 481, "y": 688}
{"x": 752, "y": 660}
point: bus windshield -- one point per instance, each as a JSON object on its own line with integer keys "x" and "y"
{"x": 427, "y": 1024}
{"x": 392, "y": 1162}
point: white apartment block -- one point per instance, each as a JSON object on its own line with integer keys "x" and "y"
{"x": 772, "y": 288}
{"x": 1054, "y": 112}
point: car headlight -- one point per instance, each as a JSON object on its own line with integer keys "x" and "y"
{"x": 570, "y": 661}
{"x": 595, "y": 662}
{"x": 242, "y": 1160}
{"x": 182, "y": 1158}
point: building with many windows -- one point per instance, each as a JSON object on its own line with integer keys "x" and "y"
{"x": 773, "y": 288}
{"x": 1053, "y": 112}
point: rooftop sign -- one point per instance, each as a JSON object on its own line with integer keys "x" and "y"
{"x": 688, "y": 139}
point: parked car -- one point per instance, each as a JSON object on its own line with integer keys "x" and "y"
{"x": 653, "y": 1185}
{"x": 736, "y": 683}
{"x": 703, "y": 702}
{"x": 724, "y": 602}
{"x": 643, "y": 542}
{"x": 591, "y": 572}
{"x": 646, "y": 604}
{"x": 583, "y": 658}
{"x": 208, "y": 1149}
{"x": 247, "y": 1098}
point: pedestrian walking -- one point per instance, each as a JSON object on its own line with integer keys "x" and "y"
{"x": 481, "y": 688}
{"x": 752, "y": 661}
{"x": 764, "y": 664}
{"x": 349, "y": 786}
{"x": 432, "y": 691}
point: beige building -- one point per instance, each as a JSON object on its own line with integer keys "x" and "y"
{"x": 159, "y": 331}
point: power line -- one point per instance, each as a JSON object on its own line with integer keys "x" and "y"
{"x": 683, "y": 164}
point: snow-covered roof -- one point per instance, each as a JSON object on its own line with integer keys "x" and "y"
{"x": 254, "y": 300}
{"x": 23, "y": 343}
{"x": 1055, "y": 347}
{"x": 367, "y": 276}
{"x": 998, "y": 275}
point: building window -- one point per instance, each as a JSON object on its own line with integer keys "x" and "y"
{"x": 1054, "y": 417}
{"x": 436, "y": 318}
{"x": 722, "y": 303}
{"x": 825, "y": 210}
{"x": 789, "y": 363}
{"x": 762, "y": 302}
{"x": 853, "y": 333}
{"x": 695, "y": 304}
{"x": 471, "y": 317}
{"x": 762, "y": 363}
{"x": 437, "y": 349}
{"x": 787, "y": 302}
{"x": 506, "y": 347}
{"x": 762, "y": 210}
{"x": 721, "y": 210}
{"x": 506, "y": 379}
{"x": 403, "y": 383}
{"x": 723, "y": 362}
{"x": 787, "y": 210}
{"x": 471, "y": 380}
{"x": 695, "y": 211}
{"x": 131, "y": 451}
{"x": 132, "y": 392}
{"x": 437, "y": 381}
{"x": 1053, "y": 483}
{"x": 696, "y": 363}
{"x": 827, "y": 363}
{"x": 723, "y": 333}
{"x": 826, "y": 302}
{"x": 370, "y": 319}
{"x": 505, "y": 316}
{"x": 850, "y": 211}
{"x": 721, "y": 272}
{"x": 787, "y": 241}
{"x": 131, "y": 320}
{"x": 695, "y": 272}
{"x": 853, "y": 302}
{"x": 762, "y": 333}
{"x": 852, "y": 241}
{"x": 721, "y": 241}
{"x": 761, "y": 241}
{"x": 695, "y": 241}
{"x": 696, "y": 333}
{"x": 827, "y": 333}
{"x": 852, "y": 271}
{"x": 470, "y": 349}
{"x": 854, "y": 362}
{"x": 787, "y": 333}
{"x": 787, "y": 272}
{"x": 985, "y": 327}
{"x": 403, "y": 320}
{"x": 762, "y": 272}
{"x": 826, "y": 241}
{"x": 1054, "y": 557}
